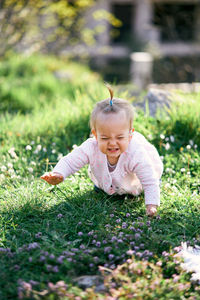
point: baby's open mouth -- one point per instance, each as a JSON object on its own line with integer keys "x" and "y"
{"x": 113, "y": 149}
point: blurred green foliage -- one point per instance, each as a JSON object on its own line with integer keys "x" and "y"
{"x": 50, "y": 25}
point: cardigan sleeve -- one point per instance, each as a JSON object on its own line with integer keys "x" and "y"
{"x": 75, "y": 160}
{"x": 145, "y": 169}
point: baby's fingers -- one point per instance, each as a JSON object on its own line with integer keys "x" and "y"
{"x": 45, "y": 176}
{"x": 52, "y": 178}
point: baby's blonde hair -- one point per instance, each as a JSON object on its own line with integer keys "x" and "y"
{"x": 111, "y": 106}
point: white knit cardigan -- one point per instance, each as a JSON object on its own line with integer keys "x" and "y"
{"x": 138, "y": 168}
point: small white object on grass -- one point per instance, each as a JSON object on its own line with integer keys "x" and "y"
{"x": 191, "y": 257}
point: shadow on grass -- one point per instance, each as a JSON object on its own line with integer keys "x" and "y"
{"x": 83, "y": 212}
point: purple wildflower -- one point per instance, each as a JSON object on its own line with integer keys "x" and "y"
{"x": 51, "y": 256}
{"x": 69, "y": 259}
{"x": 132, "y": 228}
{"x": 59, "y": 216}
{"x": 55, "y": 269}
{"x": 38, "y": 235}
{"x": 90, "y": 233}
{"x": 112, "y": 215}
{"x": 80, "y": 233}
{"x": 118, "y": 221}
{"x": 60, "y": 259}
{"x": 32, "y": 246}
{"x": 49, "y": 267}
{"x": 107, "y": 249}
{"x": 98, "y": 244}
{"x": 120, "y": 241}
{"x": 141, "y": 224}
{"x": 81, "y": 247}
{"x": 111, "y": 256}
{"x": 75, "y": 249}
{"x": 96, "y": 259}
{"x": 128, "y": 215}
{"x": 137, "y": 235}
{"x": 164, "y": 253}
{"x": 124, "y": 225}
{"x": 42, "y": 258}
{"x": 107, "y": 226}
{"x": 16, "y": 267}
{"x": 114, "y": 238}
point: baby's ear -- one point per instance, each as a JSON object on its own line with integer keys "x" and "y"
{"x": 131, "y": 133}
{"x": 94, "y": 133}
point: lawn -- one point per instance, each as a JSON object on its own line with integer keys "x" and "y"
{"x": 50, "y": 234}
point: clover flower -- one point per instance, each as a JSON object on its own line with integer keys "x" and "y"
{"x": 59, "y": 216}
{"x": 28, "y": 147}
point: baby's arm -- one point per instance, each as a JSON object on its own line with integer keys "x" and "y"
{"x": 52, "y": 177}
{"x": 69, "y": 164}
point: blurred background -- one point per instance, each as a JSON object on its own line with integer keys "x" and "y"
{"x": 105, "y": 33}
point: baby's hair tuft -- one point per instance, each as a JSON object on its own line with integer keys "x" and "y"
{"x": 111, "y": 106}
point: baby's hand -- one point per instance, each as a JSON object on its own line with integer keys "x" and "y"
{"x": 52, "y": 177}
{"x": 151, "y": 210}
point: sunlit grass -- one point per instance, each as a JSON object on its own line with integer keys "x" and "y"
{"x": 48, "y": 234}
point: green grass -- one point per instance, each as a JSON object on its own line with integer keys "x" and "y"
{"x": 47, "y": 233}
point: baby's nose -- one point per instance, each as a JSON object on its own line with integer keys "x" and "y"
{"x": 112, "y": 142}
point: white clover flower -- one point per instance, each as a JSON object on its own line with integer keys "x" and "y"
{"x": 32, "y": 142}
{"x": 60, "y": 155}
{"x": 195, "y": 146}
{"x": 30, "y": 170}
{"x": 166, "y": 139}
{"x": 53, "y": 144}
{"x": 161, "y": 157}
{"x": 33, "y": 163}
{"x": 39, "y": 147}
{"x": 182, "y": 170}
{"x": 191, "y": 142}
{"x": 10, "y": 165}
{"x": 36, "y": 151}
{"x": 188, "y": 147}
{"x": 12, "y": 152}
{"x": 167, "y": 185}
{"x": 3, "y": 168}
{"x": 53, "y": 151}
{"x": 162, "y": 136}
{"x": 44, "y": 149}
{"x": 172, "y": 139}
{"x": 11, "y": 171}
{"x": 2, "y": 177}
{"x": 28, "y": 147}
{"x": 167, "y": 146}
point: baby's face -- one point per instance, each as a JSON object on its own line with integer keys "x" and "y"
{"x": 113, "y": 134}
